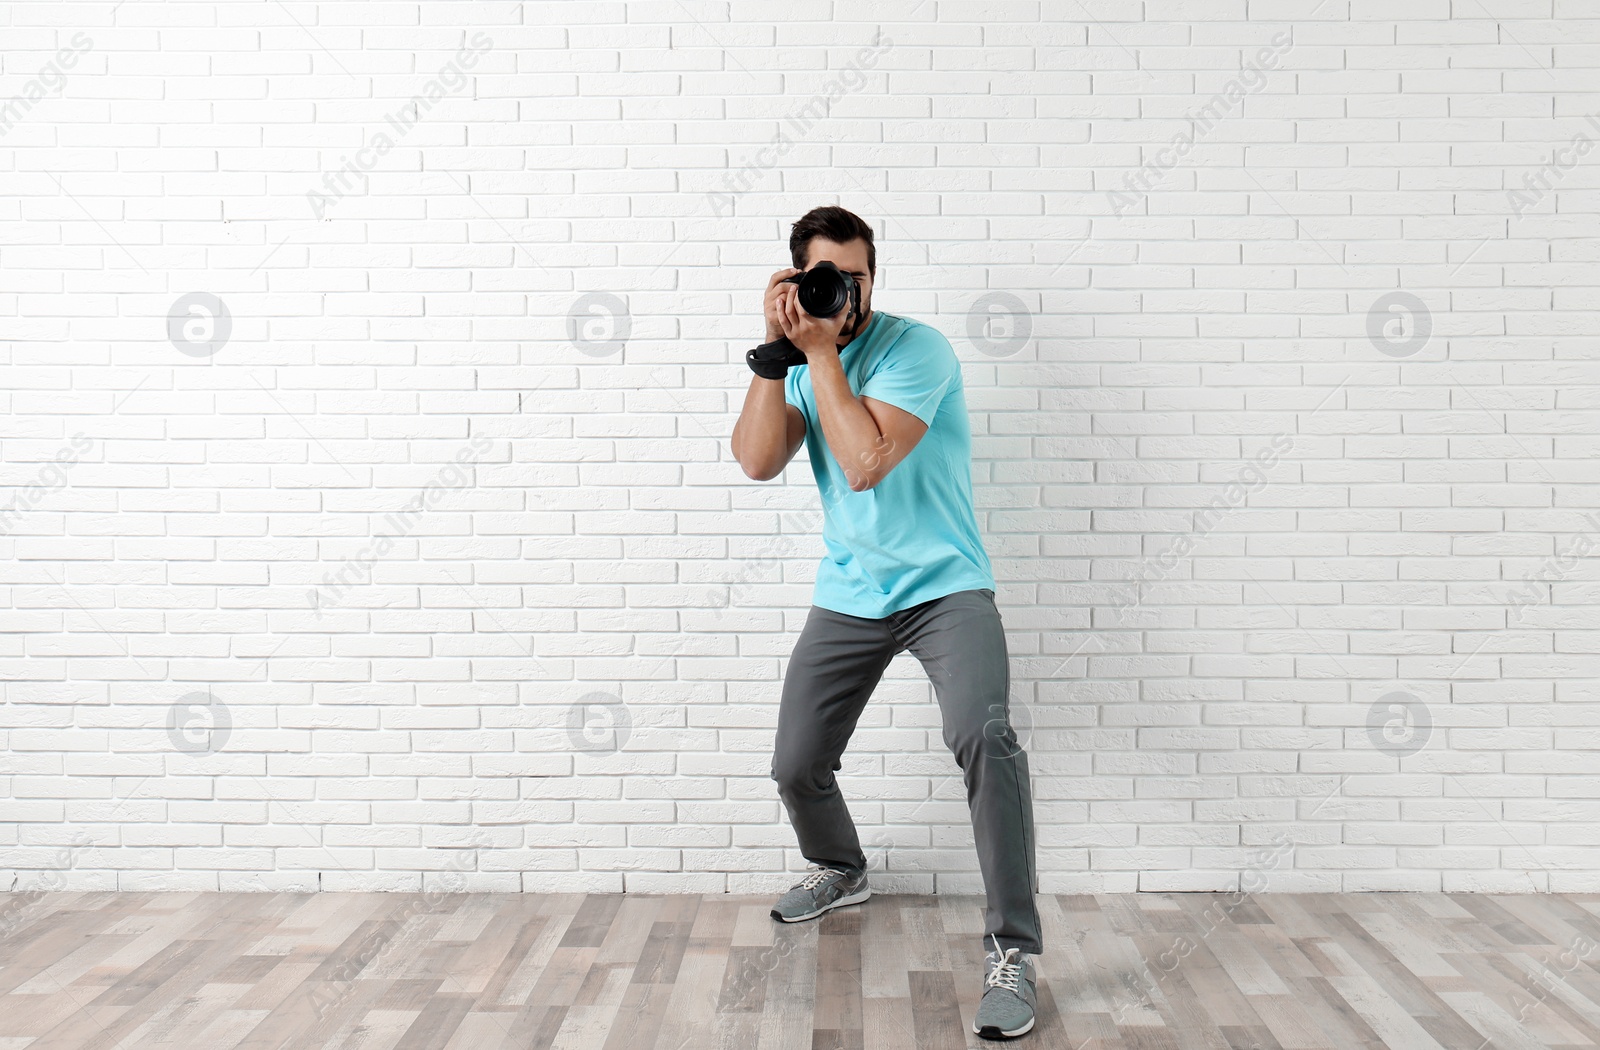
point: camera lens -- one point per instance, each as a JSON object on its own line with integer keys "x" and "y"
{"x": 824, "y": 290}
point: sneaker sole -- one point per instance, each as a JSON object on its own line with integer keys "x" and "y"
{"x": 854, "y": 898}
{"x": 994, "y": 1031}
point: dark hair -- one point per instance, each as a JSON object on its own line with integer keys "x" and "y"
{"x": 835, "y": 224}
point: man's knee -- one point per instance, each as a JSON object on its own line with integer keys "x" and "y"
{"x": 799, "y": 775}
{"x": 986, "y": 733}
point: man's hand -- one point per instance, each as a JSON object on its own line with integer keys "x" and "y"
{"x": 815, "y": 336}
{"x": 777, "y": 291}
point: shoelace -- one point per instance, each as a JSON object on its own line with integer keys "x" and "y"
{"x": 812, "y": 881}
{"x": 1006, "y": 973}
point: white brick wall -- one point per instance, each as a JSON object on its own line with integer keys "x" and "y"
{"x": 216, "y": 533}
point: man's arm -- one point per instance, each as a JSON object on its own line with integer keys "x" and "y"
{"x": 868, "y": 437}
{"x": 770, "y": 430}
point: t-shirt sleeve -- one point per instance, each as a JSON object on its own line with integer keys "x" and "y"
{"x": 789, "y": 393}
{"x": 916, "y": 374}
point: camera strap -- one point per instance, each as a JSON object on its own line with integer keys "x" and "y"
{"x": 773, "y": 360}
{"x": 855, "y": 311}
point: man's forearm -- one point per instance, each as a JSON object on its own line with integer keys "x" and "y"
{"x": 760, "y": 439}
{"x": 851, "y": 433}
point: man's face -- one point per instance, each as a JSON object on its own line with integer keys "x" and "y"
{"x": 851, "y": 257}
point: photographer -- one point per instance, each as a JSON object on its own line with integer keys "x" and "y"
{"x": 879, "y": 403}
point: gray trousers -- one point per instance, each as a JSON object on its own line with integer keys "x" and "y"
{"x": 837, "y": 662}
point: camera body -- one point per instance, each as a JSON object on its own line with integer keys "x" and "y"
{"x": 824, "y": 291}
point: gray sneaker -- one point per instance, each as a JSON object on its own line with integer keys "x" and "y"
{"x": 1009, "y": 994}
{"x": 823, "y": 890}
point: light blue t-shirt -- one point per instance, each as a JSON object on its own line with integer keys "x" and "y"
{"x": 914, "y": 536}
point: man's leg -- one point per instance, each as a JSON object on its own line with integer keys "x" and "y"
{"x": 962, "y": 645}
{"x": 836, "y": 664}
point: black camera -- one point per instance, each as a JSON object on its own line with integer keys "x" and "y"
{"x": 825, "y": 290}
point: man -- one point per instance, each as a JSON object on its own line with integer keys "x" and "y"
{"x": 884, "y": 420}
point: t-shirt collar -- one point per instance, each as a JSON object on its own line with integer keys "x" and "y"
{"x": 861, "y": 336}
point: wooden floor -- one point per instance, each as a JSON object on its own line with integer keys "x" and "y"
{"x": 481, "y": 971}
